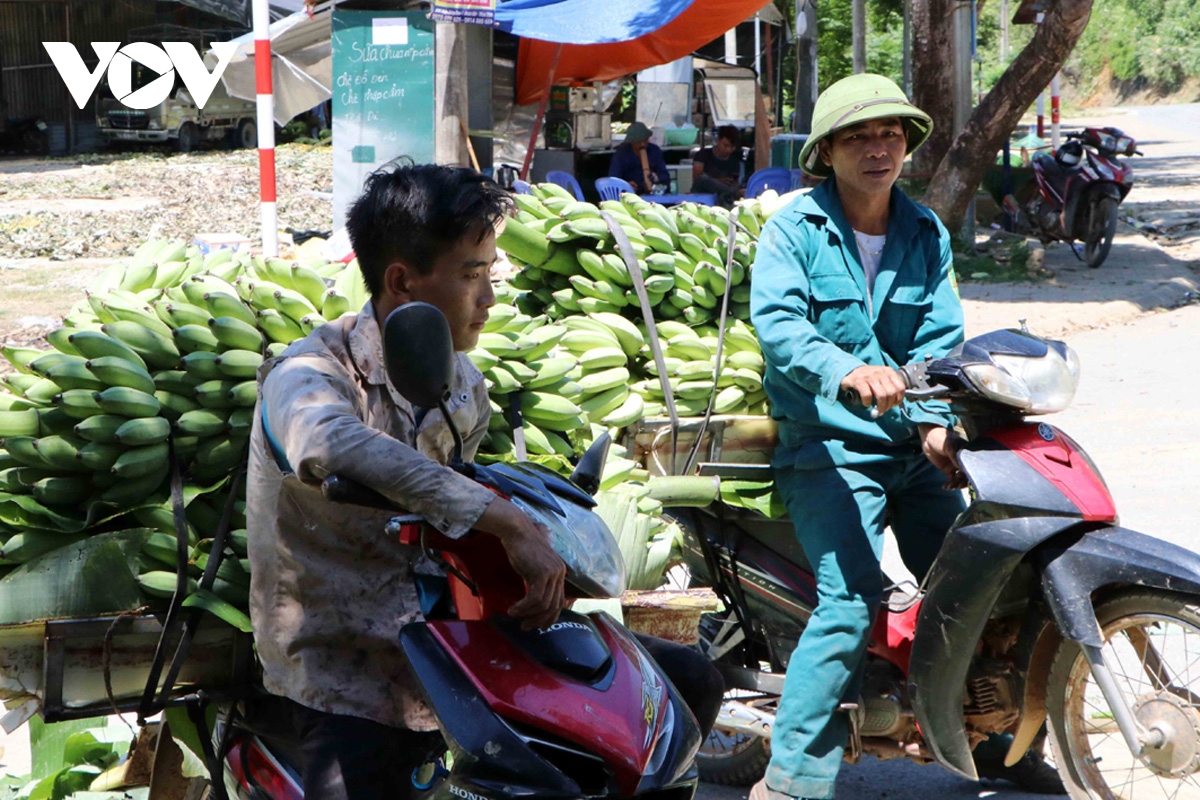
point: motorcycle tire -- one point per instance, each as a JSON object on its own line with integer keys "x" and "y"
{"x": 730, "y": 758}
{"x": 1101, "y": 231}
{"x": 1149, "y": 636}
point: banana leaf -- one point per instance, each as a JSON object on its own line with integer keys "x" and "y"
{"x": 94, "y": 576}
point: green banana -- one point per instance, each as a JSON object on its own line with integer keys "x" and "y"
{"x": 61, "y": 452}
{"x": 309, "y": 284}
{"x": 215, "y": 394}
{"x": 334, "y": 305}
{"x": 128, "y": 402}
{"x": 100, "y": 456}
{"x": 203, "y": 422}
{"x": 114, "y": 371}
{"x": 234, "y": 334}
{"x": 100, "y": 428}
{"x": 127, "y": 492}
{"x": 223, "y": 304}
{"x": 155, "y": 349}
{"x": 80, "y": 403}
{"x": 239, "y": 363}
{"x": 173, "y": 405}
{"x": 277, "y": 327}
{"x": 200, "y": 366}
{"x": 95, "y": 344}
{"x": 143, "y": 431}
{"x": 190, "y": 338}
{"x": 177, "y": 381}
{"x": 220, "y": 453}
{"x": 142, "y": 461}
{"x": 18, "y": 423}
{"x": 244, "y": 394}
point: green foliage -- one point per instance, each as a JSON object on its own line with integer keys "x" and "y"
{"x": 1152, "y": 41}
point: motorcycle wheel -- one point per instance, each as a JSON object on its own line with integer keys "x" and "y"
{"x": 730, "y": 758}
{"x": 1152, "y": 643}
{"x": 1101, "y": 232}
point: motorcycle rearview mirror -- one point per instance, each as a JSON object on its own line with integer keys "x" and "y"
{"x": 591, "y": 465}
{"x": 419, "y": 353}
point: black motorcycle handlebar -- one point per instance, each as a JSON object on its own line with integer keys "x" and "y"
{"x": 344, "y": 490}
{"x": 916, "y": 387}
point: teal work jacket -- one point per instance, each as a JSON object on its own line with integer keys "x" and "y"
{"x": 817, "y": 323}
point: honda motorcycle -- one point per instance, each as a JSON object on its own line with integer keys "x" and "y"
{"x": 1078, "y": 191}
{"x": 576, "y": 710}
{"x": 1039, "y": 608}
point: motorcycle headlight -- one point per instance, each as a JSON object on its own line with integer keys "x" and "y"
{"x": 995, "y": 384}
{"x": 1049, "y": 381}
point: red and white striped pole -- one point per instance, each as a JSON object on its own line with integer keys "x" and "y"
{"x": 1054, "y": 116}
{"x": 1041, "y": 101}
{"x": 266, "y": 127}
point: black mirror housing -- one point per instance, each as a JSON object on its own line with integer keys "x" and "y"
{"x": 419, "y": 353}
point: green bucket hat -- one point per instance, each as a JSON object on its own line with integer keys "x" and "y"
{"x": 637, "y": 132}
{"x": 856, "y": 99}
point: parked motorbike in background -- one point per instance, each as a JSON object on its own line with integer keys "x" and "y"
{"x": 1078, "y": 190}
{"x": 1039, "y": 608}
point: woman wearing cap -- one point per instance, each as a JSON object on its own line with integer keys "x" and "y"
{"x": 852, "y": 280}
{"x": 639, "y": 160}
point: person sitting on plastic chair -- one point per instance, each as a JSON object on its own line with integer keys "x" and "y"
{"x": 718, "y": 169}
{"x": 640, "y": 161}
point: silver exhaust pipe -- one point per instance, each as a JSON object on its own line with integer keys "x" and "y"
{"x": 742, "y": 718}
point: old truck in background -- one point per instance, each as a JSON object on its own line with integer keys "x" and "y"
{"x": 177, "y": 119}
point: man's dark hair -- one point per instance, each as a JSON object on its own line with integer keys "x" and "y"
{"x": 729, "y": 133}
{"x": 415, "y": 212}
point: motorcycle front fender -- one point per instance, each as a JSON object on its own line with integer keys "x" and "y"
{"x": 974, "y": 565}
{"x": 1110, "y": 557}
{"x": 1082, "y": 201}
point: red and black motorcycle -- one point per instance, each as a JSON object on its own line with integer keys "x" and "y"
{"x": 1078, "y": 191}
{"x": 1039, "y": 608}
{"x": 576, "y": 710}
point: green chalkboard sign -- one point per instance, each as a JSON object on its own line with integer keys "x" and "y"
{"x": 383, "y": 88}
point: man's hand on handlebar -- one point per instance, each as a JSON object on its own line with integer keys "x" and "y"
{"x": 882, "y": 387}
{"x": 531, "y": 555}
{"x": 941, "y": 446}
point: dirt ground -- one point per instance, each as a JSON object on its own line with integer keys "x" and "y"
{"x": 62, "y": 220}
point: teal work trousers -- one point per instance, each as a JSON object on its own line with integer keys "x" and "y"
{"x": 839, "y": 516}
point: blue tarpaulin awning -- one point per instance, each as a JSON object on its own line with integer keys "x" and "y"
{"x": 586, "y": 21}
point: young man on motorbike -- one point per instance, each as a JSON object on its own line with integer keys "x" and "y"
{"x": 329, "y": 591}
{"x": 851, "y": 281}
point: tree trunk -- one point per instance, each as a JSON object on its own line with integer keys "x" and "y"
{"x": 933, "y": 77}
{"x": 450, "y": 94}
{"x": 974, "y": 150}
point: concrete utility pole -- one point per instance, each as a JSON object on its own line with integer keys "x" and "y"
{"x": 1003, "y": 32}
{"x": 859, "y": 22}
{"x": 806, "y": 63}
{"x": 906, "y": 68}
{"x": 962, "y": 89}
{"x": 450, "y": 97}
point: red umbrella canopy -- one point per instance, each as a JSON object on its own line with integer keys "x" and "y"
{"x": 702, "y": 22}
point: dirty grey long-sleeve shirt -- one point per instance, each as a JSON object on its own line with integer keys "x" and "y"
{"x": 329, "y": 592}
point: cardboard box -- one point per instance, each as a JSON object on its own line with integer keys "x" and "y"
{"x": 208, "y": 242}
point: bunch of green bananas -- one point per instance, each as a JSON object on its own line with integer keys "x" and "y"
{"x": 167, "y": 345}
{"x": 570, "y": 336}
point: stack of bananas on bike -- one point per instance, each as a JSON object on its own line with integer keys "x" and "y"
{"x": 166, "y": 345}
{"x": 569, "y": 333}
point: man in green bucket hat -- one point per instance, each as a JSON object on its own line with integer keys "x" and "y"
{"x": 852, "y": 280}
